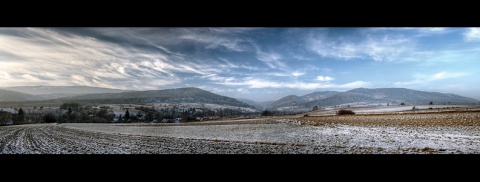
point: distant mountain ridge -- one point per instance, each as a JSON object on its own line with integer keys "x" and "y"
{"x": 258, "y": 105}
{"x": 51, "y": 92}
{"x": 318, "y": 95}
{"x": 370, "y": 96}
{"x": 195, "y": 95}
{"x": 12, "y": 96}
{"x": 292, "y": 100}
{"x": 178, "y": 95}
{"x": 287, "y": 101}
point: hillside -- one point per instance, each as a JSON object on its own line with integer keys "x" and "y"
{"x": 318, "y": 95}
{"x": 257, "y": 105}
{"x": 8, "y": 96}
{"x": 287, "y": 101}
{"x": 59, "y": 91}
{"x": 179, "y": 95}
{"x": 374, "y": 96}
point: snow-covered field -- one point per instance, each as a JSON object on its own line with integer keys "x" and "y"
{"x": 390, "y": 109}
{"x": 389, "y": 134}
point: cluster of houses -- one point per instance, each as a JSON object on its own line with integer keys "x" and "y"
{"x": 117, "y": 113}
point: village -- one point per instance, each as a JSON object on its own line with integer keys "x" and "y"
{"x": 122, "y": 113}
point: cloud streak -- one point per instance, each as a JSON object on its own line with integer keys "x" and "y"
{"x": 71, "y": 59}
{"x": 378, "y": 48}
{"x": 422, "y": 79}
{"x": 472, "y": 34}
{"x": 324, "y": 78}
{"x": 261, "y": 83}
{"x": 446, "y": 75}
{"x": 240, "y": 61}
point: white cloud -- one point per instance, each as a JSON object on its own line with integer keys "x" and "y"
{"x": 326, "y": 48}
{"x": 417, "y": 31}
{"x": 380, "y": 44}
{"x": 213, "y": 41}
{"x": 297, "y": 73}
{"x": 423, "y": 79}
{"x": 243, "y": 90}
{"x": 324, "y": 78}
{"x": 272, "y": 60}
{"x": 445, "y": 75}
{"x": 433, "y": 30}
{"x": 63, "y": 57}
{"x": 260, "y": 83}
{"x": 226, "y": 64}
{"x": 388, "y": 48}
{"x": 472, "y": 34}
{"x": 378, "y": 48}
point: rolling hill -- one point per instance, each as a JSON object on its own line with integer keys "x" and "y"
{"x": 12, "y": 96}
{"x": 318, "y": 95}
{"x": 287, "y": 101}
{"x": 53, "y": 92}
{"x": 257, "y": 105}
{"x": 373, "y": 96}
{"x": 293, "y": 100}
{"x": 179, "y": 95}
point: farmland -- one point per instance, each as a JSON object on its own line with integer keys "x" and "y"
{"x": 407, "y": 133}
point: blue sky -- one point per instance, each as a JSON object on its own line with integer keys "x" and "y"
{"x": 255, "y": 63}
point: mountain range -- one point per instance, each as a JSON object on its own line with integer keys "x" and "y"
{"x": 364, "y": 96}
{"x": 10, "y": 96}
{"x": 359, "y": 96}
{"x": 53, "y": 92}
{"x": 178, "y": 95}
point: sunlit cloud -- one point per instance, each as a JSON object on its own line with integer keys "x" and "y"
{"x": 272, "y": 60}
{"x": 241, "y": 61}
{"x": 445, "y": 75}
{"x": 423, "y": 79}
{"x": 261, "y": 83}
{"x": 80, "y": 60}
{"x": 324, "y": 78}
{"x": 472, "y": 34}
{"x": 297, "y": 73}
{"x": 378, "y": 48}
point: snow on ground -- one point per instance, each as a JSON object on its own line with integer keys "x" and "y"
{"x": 384, "y": 139}
{"x": 387, "y": 109}
{"x": 383, "y": 109}
{"x": 373, "y": 134}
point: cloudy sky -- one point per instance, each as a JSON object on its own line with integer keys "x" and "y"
{"x": 255, "y": 63}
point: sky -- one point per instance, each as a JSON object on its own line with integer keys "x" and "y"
{"x": 256, "y": 63}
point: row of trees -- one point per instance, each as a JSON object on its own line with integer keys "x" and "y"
{"x": 277, "y": 113}
{"x": 26, "y": 118}
{"x": 76, "y": 113}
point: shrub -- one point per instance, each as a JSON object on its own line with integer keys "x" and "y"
{"x": 267, "y": 113}
{"x": 344, "y": 112}
{"x": 49, "y": 118}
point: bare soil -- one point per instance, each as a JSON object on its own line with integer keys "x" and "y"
{"x": 410, "y": 133}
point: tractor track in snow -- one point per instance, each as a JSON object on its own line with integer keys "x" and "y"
{"x": 52, "y": 139}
